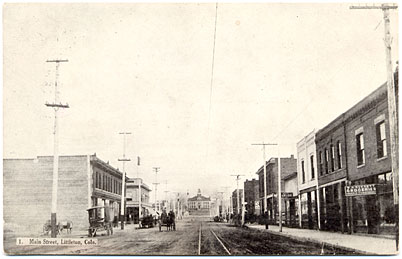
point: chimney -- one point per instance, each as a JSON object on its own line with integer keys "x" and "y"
{"x": 292, "y": 156}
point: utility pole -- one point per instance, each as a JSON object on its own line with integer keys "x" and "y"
{"x": 166, "y": 192}
{"x": 265, "y": 172}
{"x": 123, "y": 179}
{"x": 139, "y": 192}
{"x": 243, "y": 209}
{"x": 156, "y": 169}
{"x": 279, "y": 191}
{"x": 237, "y": 192}
{"x": 392, "y": 110}
{"x": 56, "y": 106}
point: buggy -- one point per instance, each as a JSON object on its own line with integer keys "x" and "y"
{"x": 99, "y": 219}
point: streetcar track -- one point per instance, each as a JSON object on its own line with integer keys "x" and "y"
{"x": 216, "y": 237}
{"x": 220, "y": 242}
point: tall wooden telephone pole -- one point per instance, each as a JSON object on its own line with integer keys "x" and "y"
{"x": 156, "y": 169}
{"x": 392, "y": 110}
{"x": 124, "y": 160}
{"x": 56, "y": 106}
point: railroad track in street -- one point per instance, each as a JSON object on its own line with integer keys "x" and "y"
{"x": 207, "y": 242}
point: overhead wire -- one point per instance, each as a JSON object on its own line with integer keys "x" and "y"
{"x": 211, "y": 87}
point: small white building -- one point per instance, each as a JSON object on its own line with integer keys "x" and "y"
{"x": 307, "y": 180}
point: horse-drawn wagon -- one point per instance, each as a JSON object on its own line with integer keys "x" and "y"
{"x": 100, "y": 219}
{"x": 167, "y": 220}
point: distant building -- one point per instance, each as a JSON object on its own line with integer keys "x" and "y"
{"x": 290, "y": 200}
{"x": 288, "y": 167}
{"x": 251, "y": 197}
{"x": 234, "y": 200}
{"x": 132, "y": 198}
{"x": 199, "y": 205}
{"x": 83, "y": 181}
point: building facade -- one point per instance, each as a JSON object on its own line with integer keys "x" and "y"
{"x": 370, "y": 190}
{"x": 251, "y": 197}
{"x": 133, "y": 202}
{"x": 237, "y": 206}
{"x": 307, "y": 180}
{"x": 83, "y": 181}
{"x": 355, "y": 176}
{"x": 288, "y": 167}
{"x": 199, "y": 205}
{"x": 332, "y": 175}
{"x": 291, "y": 200}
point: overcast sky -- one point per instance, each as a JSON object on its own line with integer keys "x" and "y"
{"x": 280, "y": 71}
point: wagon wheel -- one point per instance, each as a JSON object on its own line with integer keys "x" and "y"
{"x": 92, "y": 232}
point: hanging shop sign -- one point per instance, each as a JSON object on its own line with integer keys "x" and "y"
{"x": 287, "y": 195}
{"x": 356, "y": 190}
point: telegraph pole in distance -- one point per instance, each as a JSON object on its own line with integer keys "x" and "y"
{"x": 139, "y": 192}
{"x": 265, "y": 172}
{"x": 238, "y": 198}
{"x": 56, "y": 106}
{"x": 156, "y": 169}
{"x": 279, "y": 191}
{"x": 392, "y": 110}
{"x": 124, "y": 160}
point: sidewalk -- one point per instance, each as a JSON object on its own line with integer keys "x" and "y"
{"x": 364, "y": 244}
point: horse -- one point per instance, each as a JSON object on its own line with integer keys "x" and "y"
{"x": 68, "y": 225}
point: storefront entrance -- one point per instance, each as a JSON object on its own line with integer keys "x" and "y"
{"x": 374, "y": 213}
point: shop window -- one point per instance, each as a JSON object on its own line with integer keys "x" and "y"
{"x": 332, "y": 150}
{"x": 303, "y": 172}
{"x": 360, "y": 149}
{"x": 339, "y": 153}
{"x": 326, "y": 161}
{"x": 321, "y": 165}
{"x": 381, "y": 140}
{"x": 312, "y": 166}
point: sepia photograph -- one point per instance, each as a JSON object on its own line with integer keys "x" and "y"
{"x": 200, "y": 128}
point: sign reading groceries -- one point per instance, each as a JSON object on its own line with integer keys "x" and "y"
{"x": 365, "y": 189}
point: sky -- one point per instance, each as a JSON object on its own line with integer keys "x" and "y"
{"x": 279, "y": 72}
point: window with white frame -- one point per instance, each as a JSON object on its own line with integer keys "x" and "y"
{"x": 381, "y": 140}
{"x": 360, "y": 149}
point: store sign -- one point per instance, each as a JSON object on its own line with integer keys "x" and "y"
{"x": 365, "y": 189}
{"x": 287, "y": 195}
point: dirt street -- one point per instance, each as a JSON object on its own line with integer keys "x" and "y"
{"x": 213, "y": 239}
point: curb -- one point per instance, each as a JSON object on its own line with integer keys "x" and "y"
{"x": 317, "y": 242}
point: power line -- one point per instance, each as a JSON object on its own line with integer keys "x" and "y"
{"x": 211, "y": 85}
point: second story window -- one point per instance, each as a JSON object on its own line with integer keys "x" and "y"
{"x": 326, "y": 161}
{"x": 320, "y": 161}
{"x": 332, "y": 158}
{"x": 303, "y": 172}
{"x": 381, "y": 140}
{"x": 360, "y": 149}
{"x": 312, "y": 166}
{"x": 339, "y": 153}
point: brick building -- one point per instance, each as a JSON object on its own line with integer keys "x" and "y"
{"x": 355, "y": 178}
{"x": 288, "y": 167}
{"x": 251, "y": 196}
{"x": 234, "y": 201}
{"x": 84, "y": 181}
{"x": 369, "y": 164}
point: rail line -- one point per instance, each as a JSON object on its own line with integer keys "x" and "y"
{"x": 217, "y": 238}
